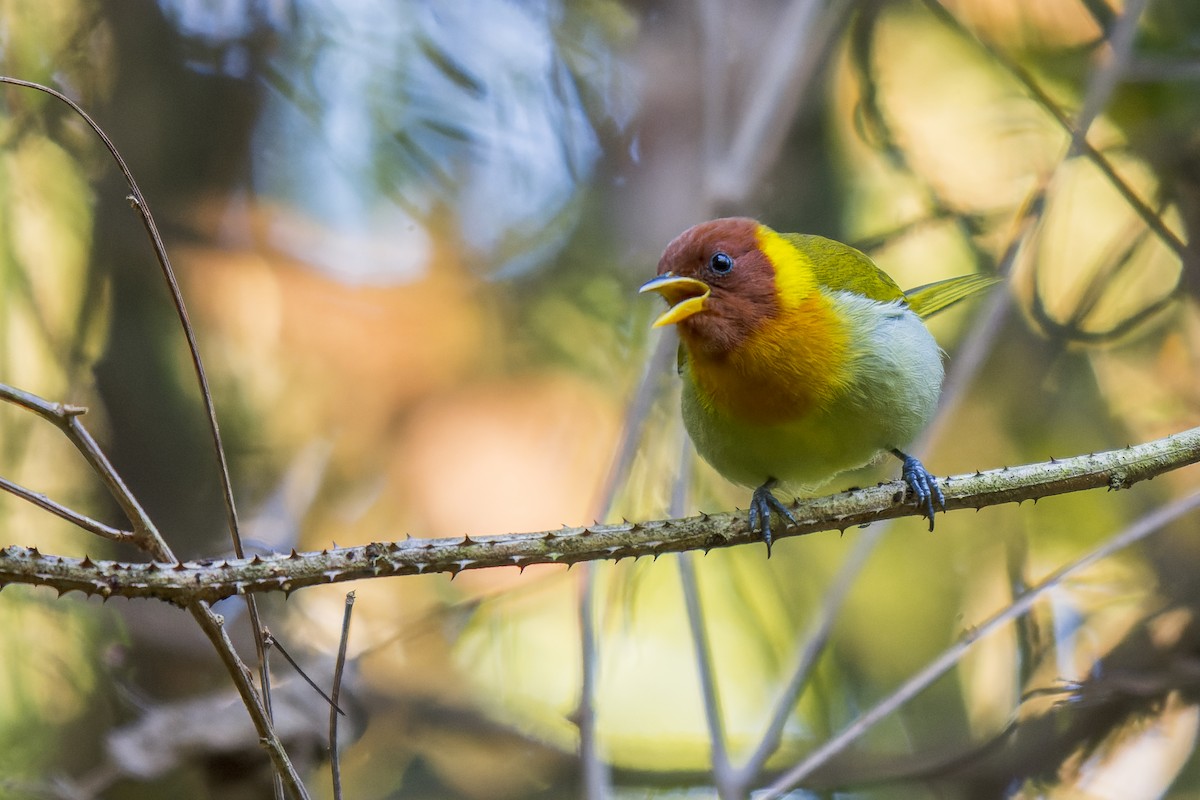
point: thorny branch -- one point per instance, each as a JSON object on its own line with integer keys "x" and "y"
{"x": 212, "y": 580}
{"x": 144, "y": 534}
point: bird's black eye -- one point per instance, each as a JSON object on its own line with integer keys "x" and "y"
{"x": 720, "y": 263}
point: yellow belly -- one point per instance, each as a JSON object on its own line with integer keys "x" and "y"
{"x": 806, "y": 451}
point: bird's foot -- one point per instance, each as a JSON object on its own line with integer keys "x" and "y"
{"x": 924, "y": 486}
{"x": 761, "y": 506}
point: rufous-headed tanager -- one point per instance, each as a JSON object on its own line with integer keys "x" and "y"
{"x": 800, "y": 357}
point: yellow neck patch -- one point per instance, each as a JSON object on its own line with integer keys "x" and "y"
{"x": 794, "y": 278}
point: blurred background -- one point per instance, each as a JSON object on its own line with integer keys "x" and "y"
{"x": 410, "y": 237}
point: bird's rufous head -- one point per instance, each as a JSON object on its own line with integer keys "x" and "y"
{"x": 718, "y": 283}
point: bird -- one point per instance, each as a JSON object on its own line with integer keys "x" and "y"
{"x": 800, "y": 358}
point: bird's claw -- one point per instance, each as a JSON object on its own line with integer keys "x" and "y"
{"x": 924, "y": 486}
{"x": 761, "y": 505}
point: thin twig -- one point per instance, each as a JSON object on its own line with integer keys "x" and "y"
{"x": 146, "y": 536}
{"x": 1042, "y": 98}
{"x": 597, "y": 781}
{"x": 596, "y": 778}
{"x": 714, "y": 23}
{"x": 1150, "y": 68}
{"x": 813, "y": 644}
{"x": 799, "y": 44}
{"x": 83, "y": 521}
{"x": 873, "y": 126}
{"x": 231, "y": 516}
{"x": 213, "y": 625}
{"x": 724, "y": 776}
{"x": 160, "y": 251}
{"x": 1103, "y": 81}
{"x": 272, "y": 643}
{"x": 138, "y": 200}
{"x": 285, "y": 771}
{"x": 335, "y": 764}
{"x": 65, "y": 417}
{"x": 950, "y": 657}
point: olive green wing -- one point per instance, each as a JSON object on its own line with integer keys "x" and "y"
{"x": 840, "y": 268}
{"x": 931, "y": 298}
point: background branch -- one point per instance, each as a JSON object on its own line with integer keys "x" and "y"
{"x": 952, "y": 655}
{"x": 146, "y": 536}
{"x": 138, "y": 201}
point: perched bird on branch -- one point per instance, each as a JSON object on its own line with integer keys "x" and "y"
{"x": 800, "y": 357}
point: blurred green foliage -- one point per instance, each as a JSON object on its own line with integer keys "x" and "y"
{"x": 410, "y": 237}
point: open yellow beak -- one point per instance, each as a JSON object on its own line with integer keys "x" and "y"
{"x": 685, "y": 295}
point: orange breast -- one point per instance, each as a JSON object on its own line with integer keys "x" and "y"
{"x": 795, "y": 364}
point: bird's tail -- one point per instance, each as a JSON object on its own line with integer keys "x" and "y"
{"x": 931, "y": 298}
